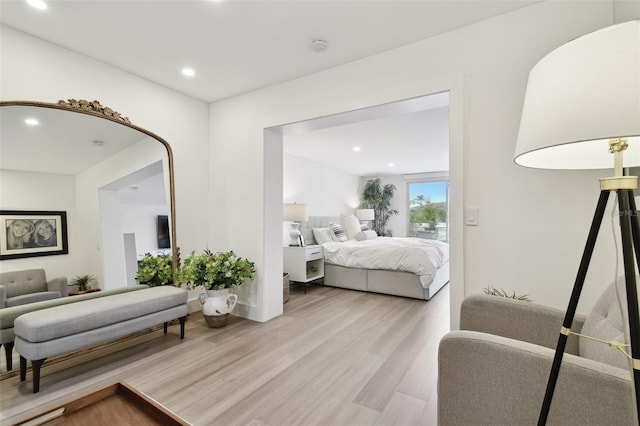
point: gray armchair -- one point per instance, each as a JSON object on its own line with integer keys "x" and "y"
{"x": 28, "y": 286}
{"x": 495, "y": 370}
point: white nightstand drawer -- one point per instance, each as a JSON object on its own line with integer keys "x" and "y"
{"x": 312, "y": 253}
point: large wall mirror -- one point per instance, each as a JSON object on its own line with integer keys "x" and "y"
{"x": 113, "y": 179}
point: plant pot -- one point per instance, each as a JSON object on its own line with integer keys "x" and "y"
{"x": 217, "y": 321}
{"x": 217, "y": 306}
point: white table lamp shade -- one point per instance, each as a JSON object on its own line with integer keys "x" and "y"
{"x": 579, "y": 97}
{"x": 365, "y": 214}
{"x": 295, "y": 212}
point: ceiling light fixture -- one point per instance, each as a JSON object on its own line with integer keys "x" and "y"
{"x": 31, "y": 121}
{"x": 319, "y": 45}
{"x": 188, "y": 72}
{"x": 392, "y": 164}
{"x": 356, "y": 148}
{"x": 37, "y": 4}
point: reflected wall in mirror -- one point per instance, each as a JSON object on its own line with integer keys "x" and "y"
{"x": 113, "y": 179}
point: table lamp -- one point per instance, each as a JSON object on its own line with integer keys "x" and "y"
{"x": 582, "y": 111}
{"x": 295, "y": 213}
{"x": 365, "y": 215}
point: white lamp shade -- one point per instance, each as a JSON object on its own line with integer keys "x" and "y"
{"x": 579, "y": 97}
{"x": 365, "y": 214}
{"x": 295, "y": 212}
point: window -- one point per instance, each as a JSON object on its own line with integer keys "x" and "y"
{"x": 428, "y": 208}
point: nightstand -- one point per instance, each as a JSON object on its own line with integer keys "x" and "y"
{"x": 304, "y": 264}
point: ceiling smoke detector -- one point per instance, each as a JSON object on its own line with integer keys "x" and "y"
{"x": 319, "y": 45}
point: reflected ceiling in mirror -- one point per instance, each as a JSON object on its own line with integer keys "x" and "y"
{"x": 44, "y": 147}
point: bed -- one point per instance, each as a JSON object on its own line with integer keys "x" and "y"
{"x": 407, "y": 267}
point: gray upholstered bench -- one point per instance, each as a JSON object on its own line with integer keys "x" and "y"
{"x": 61, "y": 329}
{"x": 9, "y": 315}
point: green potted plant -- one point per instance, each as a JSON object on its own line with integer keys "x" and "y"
{"x": 216, "y": 273}
{"x": 156, "y": 270}
{"x": 378, "y": 197}
{"x": 82, "y": 282}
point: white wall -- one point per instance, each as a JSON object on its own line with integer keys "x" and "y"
{"x": 141, "y": 220}
{"x": 325, "y": 191}
{"x": 533, "y": 224}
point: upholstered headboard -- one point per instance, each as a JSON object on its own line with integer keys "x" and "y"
{"x": 306, "y": 228}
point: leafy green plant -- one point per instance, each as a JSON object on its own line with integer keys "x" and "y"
{"x": 378, "y": 197}
{"x": 501, "y": 293}
{"x": 155, "y": 270}
{"x": 83, "y": 281}
{"x": 215, "y": 271}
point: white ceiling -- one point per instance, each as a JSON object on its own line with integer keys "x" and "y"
{"x": 239, "y": 46}
{"x": 404, "y": 137}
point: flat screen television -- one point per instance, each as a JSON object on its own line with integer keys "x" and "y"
{"x": 164, "y": 239}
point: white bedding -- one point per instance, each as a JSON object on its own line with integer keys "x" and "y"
{"x": 416, "y": 255}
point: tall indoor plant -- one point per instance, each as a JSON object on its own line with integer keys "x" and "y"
{"x": 378, "y": 197}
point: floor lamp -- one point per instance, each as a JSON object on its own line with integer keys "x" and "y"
{"x": 582, "y": 111}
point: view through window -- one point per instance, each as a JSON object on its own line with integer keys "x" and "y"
{"x": 428, "y": 207}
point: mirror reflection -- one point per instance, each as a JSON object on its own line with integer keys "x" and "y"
{"x": 113, "y": 180}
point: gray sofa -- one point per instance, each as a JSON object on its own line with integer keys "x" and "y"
{"x": 28, "y": 286}
{"x": 9, "y": 315}
{"x": 495, "y": 370}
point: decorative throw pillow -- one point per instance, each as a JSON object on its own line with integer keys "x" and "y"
{"x": 322, "y": 235}
{"x": 366, "y": 235}
{"x": 351, "y": 225}
{"x": 364, "y": 227}
{"x": 338, "y": 232}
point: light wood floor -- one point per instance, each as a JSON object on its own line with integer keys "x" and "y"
{"x": 336, "y": 357}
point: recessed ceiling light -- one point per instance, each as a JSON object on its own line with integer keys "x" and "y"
{"x": 391, "y": 164}
{"x": 188, "y": 72}
{"x": 356, "y": 148}
{"x": 31, "y": 121}
{"x": 37, "y": 4}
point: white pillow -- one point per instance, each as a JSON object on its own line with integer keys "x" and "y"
{"x": 338, "y": 232}
{"x": 351, "y": 225}
{"x": 366, "y": 235}
{"x": 322, "y": 235}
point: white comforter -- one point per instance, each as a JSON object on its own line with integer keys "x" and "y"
{"x": 416, "y": 255}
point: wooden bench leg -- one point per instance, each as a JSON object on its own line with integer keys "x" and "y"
{"x": 166, "y": 327}
{"x": 8, "y": 351}
{"x": 35, "y": 366}
{"x": 23, "y": 368}
{"x": 182, "y": 321}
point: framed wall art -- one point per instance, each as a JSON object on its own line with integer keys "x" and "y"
{"x": 32, "y": 233}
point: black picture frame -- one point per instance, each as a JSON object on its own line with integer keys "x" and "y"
{"x": 32, "y": 233}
